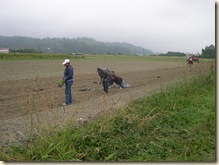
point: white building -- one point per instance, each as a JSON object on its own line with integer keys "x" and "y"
{"x": 4, "y": 50}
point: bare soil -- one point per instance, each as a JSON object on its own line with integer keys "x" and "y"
{"x": 30, "y": 100}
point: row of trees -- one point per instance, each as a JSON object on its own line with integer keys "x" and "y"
{"x": 173, "y": 54}
{"x": 207, "y": 52}
{"x": 69, "y": 46}
{"x": 84, "y": 46}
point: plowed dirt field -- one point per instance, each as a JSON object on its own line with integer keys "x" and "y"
{"x": 30, "y": 98}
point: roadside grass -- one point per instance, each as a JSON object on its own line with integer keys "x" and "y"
{"x": 176, "y": 124}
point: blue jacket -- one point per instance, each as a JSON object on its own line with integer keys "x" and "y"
{"x": 68, "y": 73}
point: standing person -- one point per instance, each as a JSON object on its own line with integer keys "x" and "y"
{"x": 68, "y": 79}
{"x": 105, "y": 78}
{"x": 119, "y": 81}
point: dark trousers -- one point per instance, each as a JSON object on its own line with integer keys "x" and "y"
{"x": 68, "y": 95}
{"x": 106, "y": 83}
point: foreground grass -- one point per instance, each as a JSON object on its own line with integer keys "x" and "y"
{"x": 177, "y": 124}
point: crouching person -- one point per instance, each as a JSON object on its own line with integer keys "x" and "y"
{"x": 119, "y": 81}
{"x": 105, "y": 78}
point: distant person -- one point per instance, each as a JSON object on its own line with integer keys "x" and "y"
{"x": 190, "y": 63}
{"x": 105, "y": 78}
{"x": 68, "y": 79}
{"x": 119, "y": 81}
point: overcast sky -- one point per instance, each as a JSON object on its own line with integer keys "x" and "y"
{"x": 158, "y": 25}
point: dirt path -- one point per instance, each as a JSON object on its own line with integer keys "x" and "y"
{"x": 35, "y": 104}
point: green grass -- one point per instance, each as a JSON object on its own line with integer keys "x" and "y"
{"x": 37, "y": 56}
{"x": 176, "y": 124}
{"x": 49, "y": 56}
{"x": 133, "y": 58}
{"x": 46, "y": 56}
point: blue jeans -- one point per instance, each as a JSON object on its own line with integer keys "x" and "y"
{"x": 106, "y": 84}
{"x": 123, "y": 85}
{"x": 68, "y": 95}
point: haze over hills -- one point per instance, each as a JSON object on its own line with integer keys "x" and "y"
{"x": 68, "y": 46}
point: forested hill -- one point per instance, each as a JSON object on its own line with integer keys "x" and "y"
{"x": 69, "y": 46}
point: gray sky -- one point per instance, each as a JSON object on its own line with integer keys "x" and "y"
{"x": 159, "y": 25}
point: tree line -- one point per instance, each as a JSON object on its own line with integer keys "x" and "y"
{"x": 80, "y": 45}
{"x": 207, "y": 52}
{"x": 170, "y": 53}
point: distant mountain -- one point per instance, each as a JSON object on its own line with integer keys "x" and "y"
{"x": 68, "y": 46}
